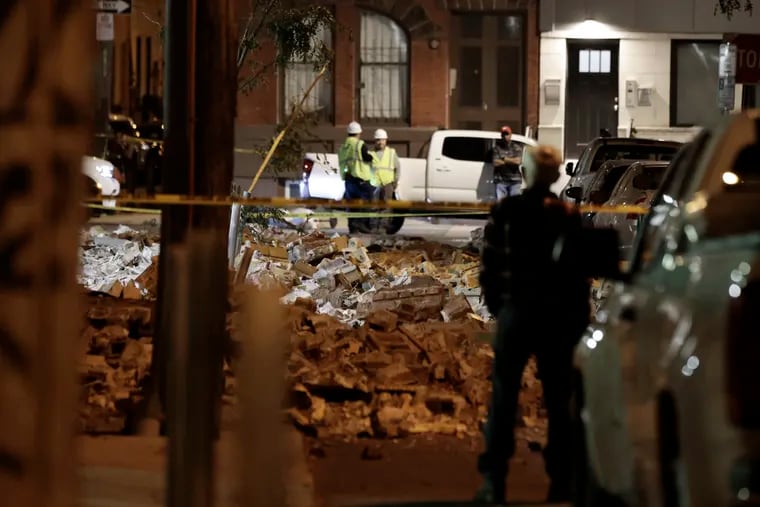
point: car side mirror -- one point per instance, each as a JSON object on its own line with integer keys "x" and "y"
{"x": 575, "y": 193}
{"x": 569, "y": 168}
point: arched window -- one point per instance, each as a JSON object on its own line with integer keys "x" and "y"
{"x": 298, "y": 76}
{"x": 383, "y": 69}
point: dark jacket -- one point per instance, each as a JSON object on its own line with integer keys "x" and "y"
{"x": 522, "y": 263}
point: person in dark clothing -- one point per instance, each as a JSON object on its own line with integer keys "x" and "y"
{"x": 542, "y": 306}
{"x": 505, "y": 157}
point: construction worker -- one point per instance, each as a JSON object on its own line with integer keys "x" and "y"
{"x": 387, "y": 171}
{"x": 542, "y": 305}
{"x": 387, "y": 166}
{"x": 355, "y": 162}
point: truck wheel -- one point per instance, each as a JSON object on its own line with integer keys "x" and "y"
{"x": 394, "y": 225}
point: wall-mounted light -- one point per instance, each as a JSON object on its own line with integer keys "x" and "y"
{"x": 434, "y": 43}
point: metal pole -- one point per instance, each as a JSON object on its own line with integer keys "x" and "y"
{"x": 104, "y": 34}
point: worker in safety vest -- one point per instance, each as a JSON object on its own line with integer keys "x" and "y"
{"x": 355, "y": 165}
{"x": 387, "y": 167}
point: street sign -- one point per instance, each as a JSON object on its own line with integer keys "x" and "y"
{"x": 747, "y": 57}
{"x": 115, "y": 6}
{"x": 104, "y": 26}
{"x": 726, "y": 76}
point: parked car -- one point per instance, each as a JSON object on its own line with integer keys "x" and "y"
{"x": 636, "y": 187}
{"x": 603, "y": 149}
{"x": 101, "y": 179}
{"x": 602, "y": 184}
{"x": 450, "y": 167}
{"x": 667, "y": 405}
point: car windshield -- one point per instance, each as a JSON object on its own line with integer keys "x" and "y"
{"x": 636, "y": 152}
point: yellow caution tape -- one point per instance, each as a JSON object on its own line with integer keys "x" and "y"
{"x": 282, "y": 202}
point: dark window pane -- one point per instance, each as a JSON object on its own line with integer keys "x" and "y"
{"x": 510, "y": 27}
{"x": 696, "y": 92}
{"x": 471, "y": 149}
{"x": 471, "y": 26}
{"x": 470, "y": 78}
{"x": 508, "y": 76}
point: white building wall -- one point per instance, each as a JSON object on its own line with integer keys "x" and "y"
{"x": 644, "y": 56}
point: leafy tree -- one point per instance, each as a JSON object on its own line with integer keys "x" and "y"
{"x": 729, "y": 7}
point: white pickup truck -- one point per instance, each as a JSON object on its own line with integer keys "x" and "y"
{"x": 450, "y": 167}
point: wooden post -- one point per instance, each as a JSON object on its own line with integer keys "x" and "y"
{"x": 262, "y": 388}
{"x": 194, "y": 360}
{"x": 45, "y": 121}
{"x": 201, "y": 94}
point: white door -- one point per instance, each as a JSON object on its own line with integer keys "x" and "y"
{"x": 458, "y": 171}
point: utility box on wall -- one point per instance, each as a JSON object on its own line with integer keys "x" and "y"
{"x": 551, "y": 92}
{"x": 631, "y": 93}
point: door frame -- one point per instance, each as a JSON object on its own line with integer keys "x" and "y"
{"x": 454, "y": 50}
{"x": 570, "y": 44}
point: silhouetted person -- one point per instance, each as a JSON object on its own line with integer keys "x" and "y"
{"x": 542, "y": 309}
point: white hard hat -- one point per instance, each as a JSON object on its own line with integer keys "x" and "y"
{"x": 354, "y": 128}
{"x": 381, "y": 134}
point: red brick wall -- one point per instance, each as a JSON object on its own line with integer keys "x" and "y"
{"x": 344, "y": 82}
{"x": 260, "y": 106}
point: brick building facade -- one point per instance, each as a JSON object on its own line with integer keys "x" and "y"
{"x": 410, "y": 67}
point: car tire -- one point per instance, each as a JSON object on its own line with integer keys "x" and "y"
{"x": 586, "y": 490}
{"x": 394, "y": 225}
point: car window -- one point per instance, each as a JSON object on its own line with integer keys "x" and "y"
{"x": 635, "y": 152}
{"x": 471, "y": 149}
{"x": 746, "y": 168}
{"x": 648, "y": 178}
{"x": 650, "y": 237}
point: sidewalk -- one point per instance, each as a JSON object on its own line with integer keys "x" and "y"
{"x": 130, "y": 471}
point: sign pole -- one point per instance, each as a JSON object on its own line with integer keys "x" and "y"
{"x": 727, "y": 77}
{"x": 104, "y": 34}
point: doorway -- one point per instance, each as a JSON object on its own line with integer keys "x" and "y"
{"x": 592, "y": 102}
{"x": 488, "y": 55}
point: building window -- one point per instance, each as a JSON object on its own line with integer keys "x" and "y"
{"x": 594, "y": 61}
{"x": 383, "y": 69}
{"x": 694, "y": 83}
{"x": 298, "y": 76}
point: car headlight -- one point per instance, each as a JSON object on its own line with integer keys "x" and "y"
{"x": 105, "y": 170}
{"x": 145, "y": 146}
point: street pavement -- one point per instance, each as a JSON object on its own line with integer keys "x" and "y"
{"x": 118, "y": 471}
{"x": 455, "y": 231}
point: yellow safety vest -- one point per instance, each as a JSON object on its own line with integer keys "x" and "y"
{"x": 386, "y": 170}
{"x": 350, "y": 160}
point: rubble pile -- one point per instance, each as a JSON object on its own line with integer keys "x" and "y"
{"x": 122, "y": 263}
{"x": 117, "y": 348}
{"x": 387, "y": 339}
